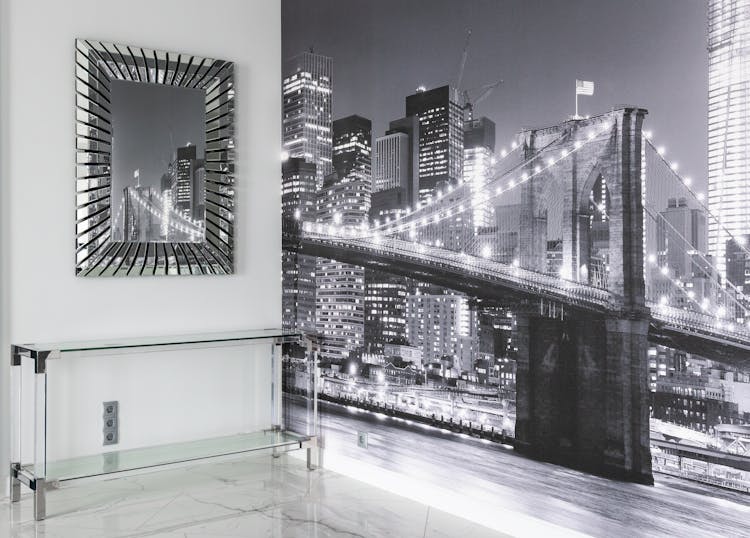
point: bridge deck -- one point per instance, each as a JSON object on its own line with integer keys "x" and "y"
{"x": 681, "y": 329}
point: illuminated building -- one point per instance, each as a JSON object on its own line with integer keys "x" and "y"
{"x": 443, "y": 326}
{"x": 409, "y": 126}
{"x": 298, "y": 189}
{"x": 167, "y": 204}
{"x": 479, "y": 151}
{"x": 306, "y": 120}
{"x": 352, "y": 149}
{"x": 738, "y": 264}
{"x": 390, "y": 167}
{"x": 391, "y": 176}
{"x": 728, "y": 123}
{"x": 184, "y": 167}
{"x": 344, "y": 199}
{"x": 199, "y": 191}
{"x": 681, "y": 244}
{"x": 681, "y": 233}
{"x": 385, "y": 309}
{"x": 339, "y": 301}
{"x": 441, "y": 137}
{"x": 306, "y": 139}
{"x": 298, "y": 204}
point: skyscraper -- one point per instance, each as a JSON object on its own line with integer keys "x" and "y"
{"x": 395, "y": 169}
{"x": 306, "y": 123}
{"x": 184, "y": 167}
{"x": 443, "y": 325}
{"x": 298, "y": 204}
{"x": 345, "y": 194}
{"x": 390, "y": 166}
{"x": 738, "y": 265}
{"x": 166, "y": 204}
{"x": 385, "y": 309}
{"x": 344, "y": 199}
{"x": 199, "y": 190}
{"x": 681, "y": 243}
{"x": 441, "y": 137}
{"x": 409, "y": 126}
{"x": 340, "y": 302}
{"x": 298, "y": 189}
{"x": 391, "y": 175}
{"x": 679, "y": 236}
{"x": 728, "y": 123}
{"x": 479, "y": 152}
{"x": 352, "y": 148}
{"x": 306, "y": 136}
{"x": 298, "y": 291}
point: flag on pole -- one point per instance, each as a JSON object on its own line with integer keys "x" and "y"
{"x": 584, "y": 87}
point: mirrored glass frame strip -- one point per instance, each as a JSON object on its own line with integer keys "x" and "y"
{"x": 97, "y": 254}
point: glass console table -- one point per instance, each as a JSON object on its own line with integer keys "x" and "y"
{"x": 39, "y": 473}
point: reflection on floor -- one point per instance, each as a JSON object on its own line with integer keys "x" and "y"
{"x": 492, "y": 485}
{"x": 252, "y": 497}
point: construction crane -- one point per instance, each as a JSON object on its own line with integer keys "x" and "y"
{"x": 484, "y": 93}
{"x": 462, "y": 63}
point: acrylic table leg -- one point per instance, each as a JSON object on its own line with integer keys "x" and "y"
{"x": 276, "y": 369}
{"x": 312, "y": 458}
{"x": 15, "y": 423}
{"x": 313, "y": 454}
{"x": 40, "y": 438}
{"x": 276, "y": 414}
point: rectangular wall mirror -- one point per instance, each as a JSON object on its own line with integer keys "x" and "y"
{"x": 155, "y": 162}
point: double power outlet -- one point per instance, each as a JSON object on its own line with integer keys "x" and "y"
{"x": 110, "y": 430}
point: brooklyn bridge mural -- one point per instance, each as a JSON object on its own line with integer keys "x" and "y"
{"x": 499, "y": 259}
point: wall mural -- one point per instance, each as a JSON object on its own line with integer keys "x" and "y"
{"x": 155, "y": 162}
{"x": 481, "y": 289}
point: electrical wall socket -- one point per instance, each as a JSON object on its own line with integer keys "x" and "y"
{"x": 362, "y": 439}
{"x": 110, "y": 428}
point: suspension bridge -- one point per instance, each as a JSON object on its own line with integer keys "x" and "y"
{"x": 574, "y": 226}
{"x": 159, "y": 210}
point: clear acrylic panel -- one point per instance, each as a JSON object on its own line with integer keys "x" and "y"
{"x": 15, "y": 414}
{"x": 40, "y": 425}
{"x": 26, "y": 412}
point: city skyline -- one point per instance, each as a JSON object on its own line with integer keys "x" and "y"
{"x": 656, "y": 45}
{"x": 409, "y": 265}
{"x": 155, "y": 121}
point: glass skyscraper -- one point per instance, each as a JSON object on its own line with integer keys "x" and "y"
{"x": 728, "y": 123}
{"x": 306, "y": 124}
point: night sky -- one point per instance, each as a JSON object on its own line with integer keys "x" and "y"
{"x": 650, "y": 53}
{"x": 149, "y": 122}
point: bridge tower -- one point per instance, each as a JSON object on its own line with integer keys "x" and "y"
{"x": 582, "y": 387}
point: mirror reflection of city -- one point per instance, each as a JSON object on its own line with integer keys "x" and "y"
{"x": 175, "y": 212}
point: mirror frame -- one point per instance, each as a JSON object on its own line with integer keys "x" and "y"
{"x": 97, "y": 64}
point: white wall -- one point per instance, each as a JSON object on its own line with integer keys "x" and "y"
{"x": 42, "y": 300}
{"x": 164, "y": 397}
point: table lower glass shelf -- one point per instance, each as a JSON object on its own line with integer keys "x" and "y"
{"x": 154, "y": 456}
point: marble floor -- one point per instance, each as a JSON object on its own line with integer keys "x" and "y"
{"x": 254, "y": 496}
